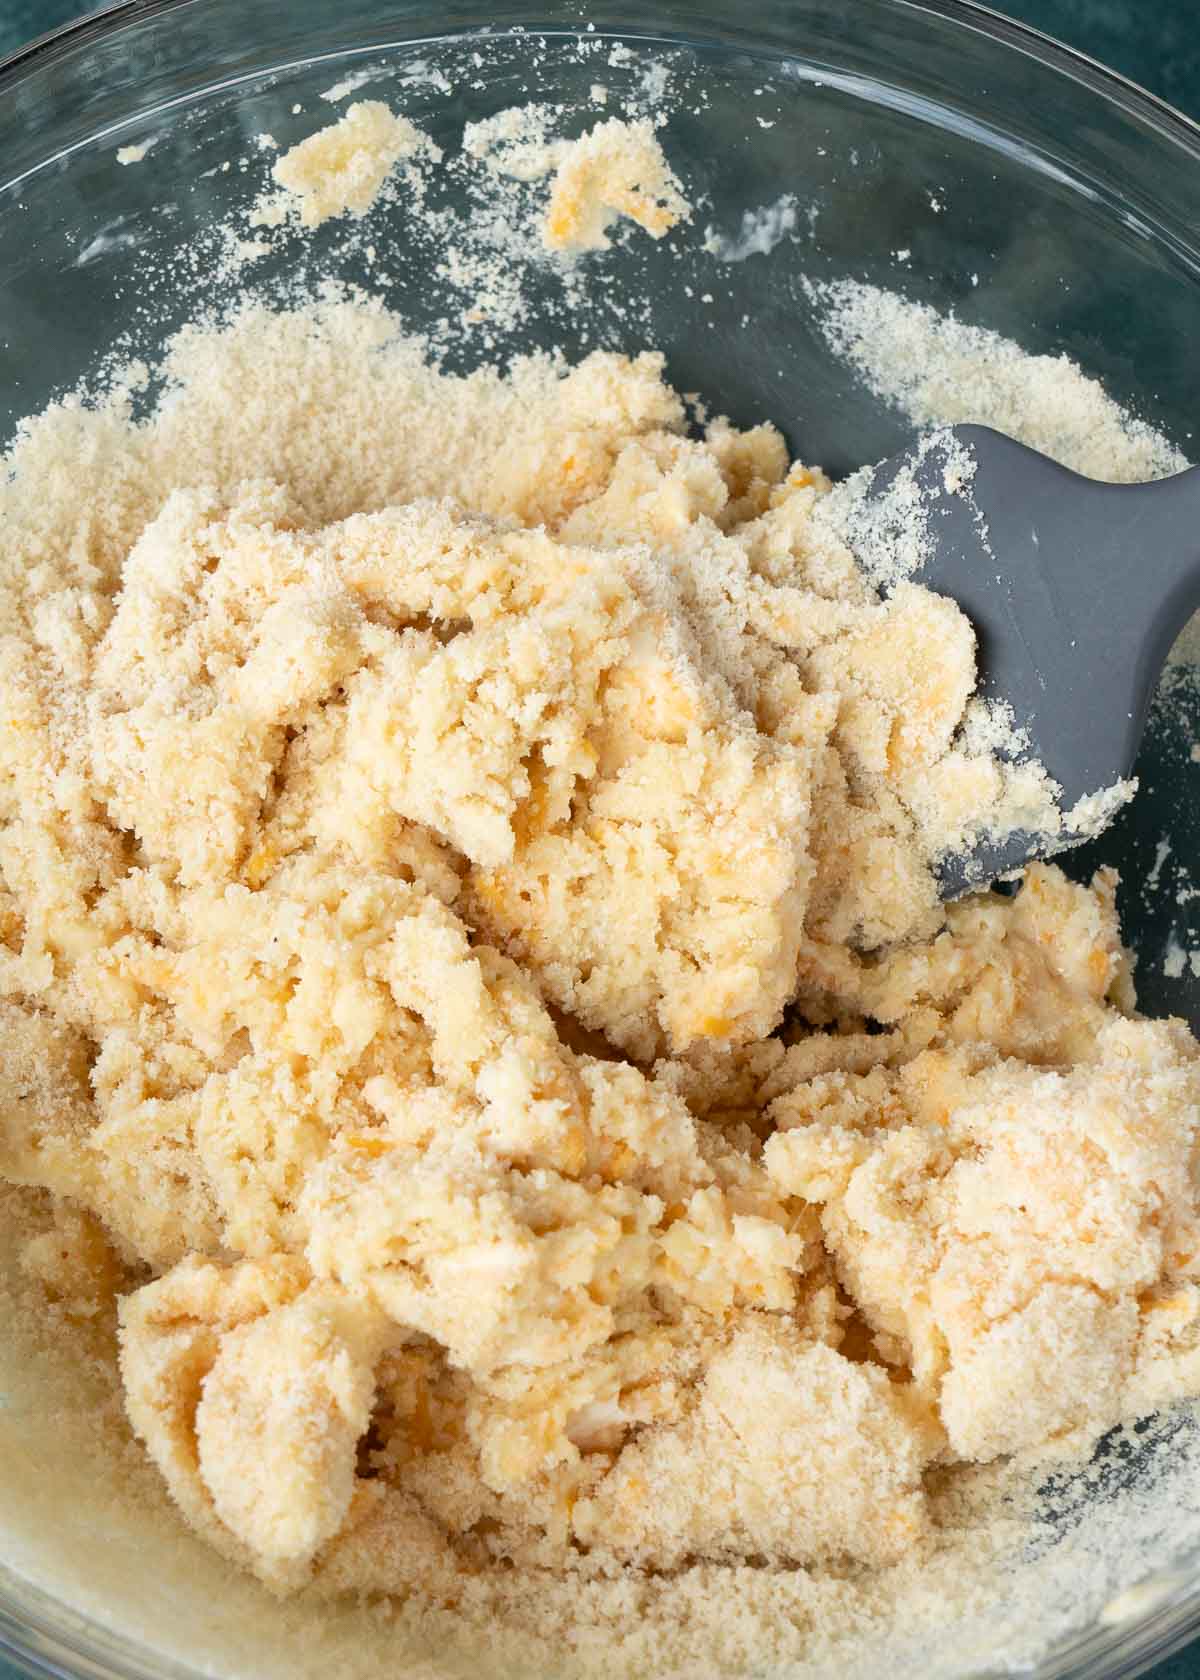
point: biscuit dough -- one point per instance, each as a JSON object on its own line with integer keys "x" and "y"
{"x": 472, "y": 977}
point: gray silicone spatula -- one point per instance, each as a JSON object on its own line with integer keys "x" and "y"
{"x": 1076, "y": 590}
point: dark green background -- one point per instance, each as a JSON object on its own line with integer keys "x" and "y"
{"x": 1155, "y": 42}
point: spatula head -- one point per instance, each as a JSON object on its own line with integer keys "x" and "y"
{"x": 1075, "y": 588}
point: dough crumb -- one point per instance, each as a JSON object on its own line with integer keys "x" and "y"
{"x": 341, "y": 169}
{"x": 616, "y": 169}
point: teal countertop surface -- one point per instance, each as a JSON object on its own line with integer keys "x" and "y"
{"x": 1154, "y": 42}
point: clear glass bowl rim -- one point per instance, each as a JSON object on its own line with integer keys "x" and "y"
{"x": 1116, "y": 89}
{"x": 59, "y": 1654}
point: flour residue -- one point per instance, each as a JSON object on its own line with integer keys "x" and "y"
{"x": 760, "y": 232}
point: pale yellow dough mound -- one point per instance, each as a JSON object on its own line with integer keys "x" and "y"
{"x": 474, "y": 981}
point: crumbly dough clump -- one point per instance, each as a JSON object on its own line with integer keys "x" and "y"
{"x": 616, "y": 169}
{"x": 473, "y": 977}
{"x": 341, "y": 168}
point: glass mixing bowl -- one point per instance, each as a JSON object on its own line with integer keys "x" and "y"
{"x": 1034, "y": 192}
